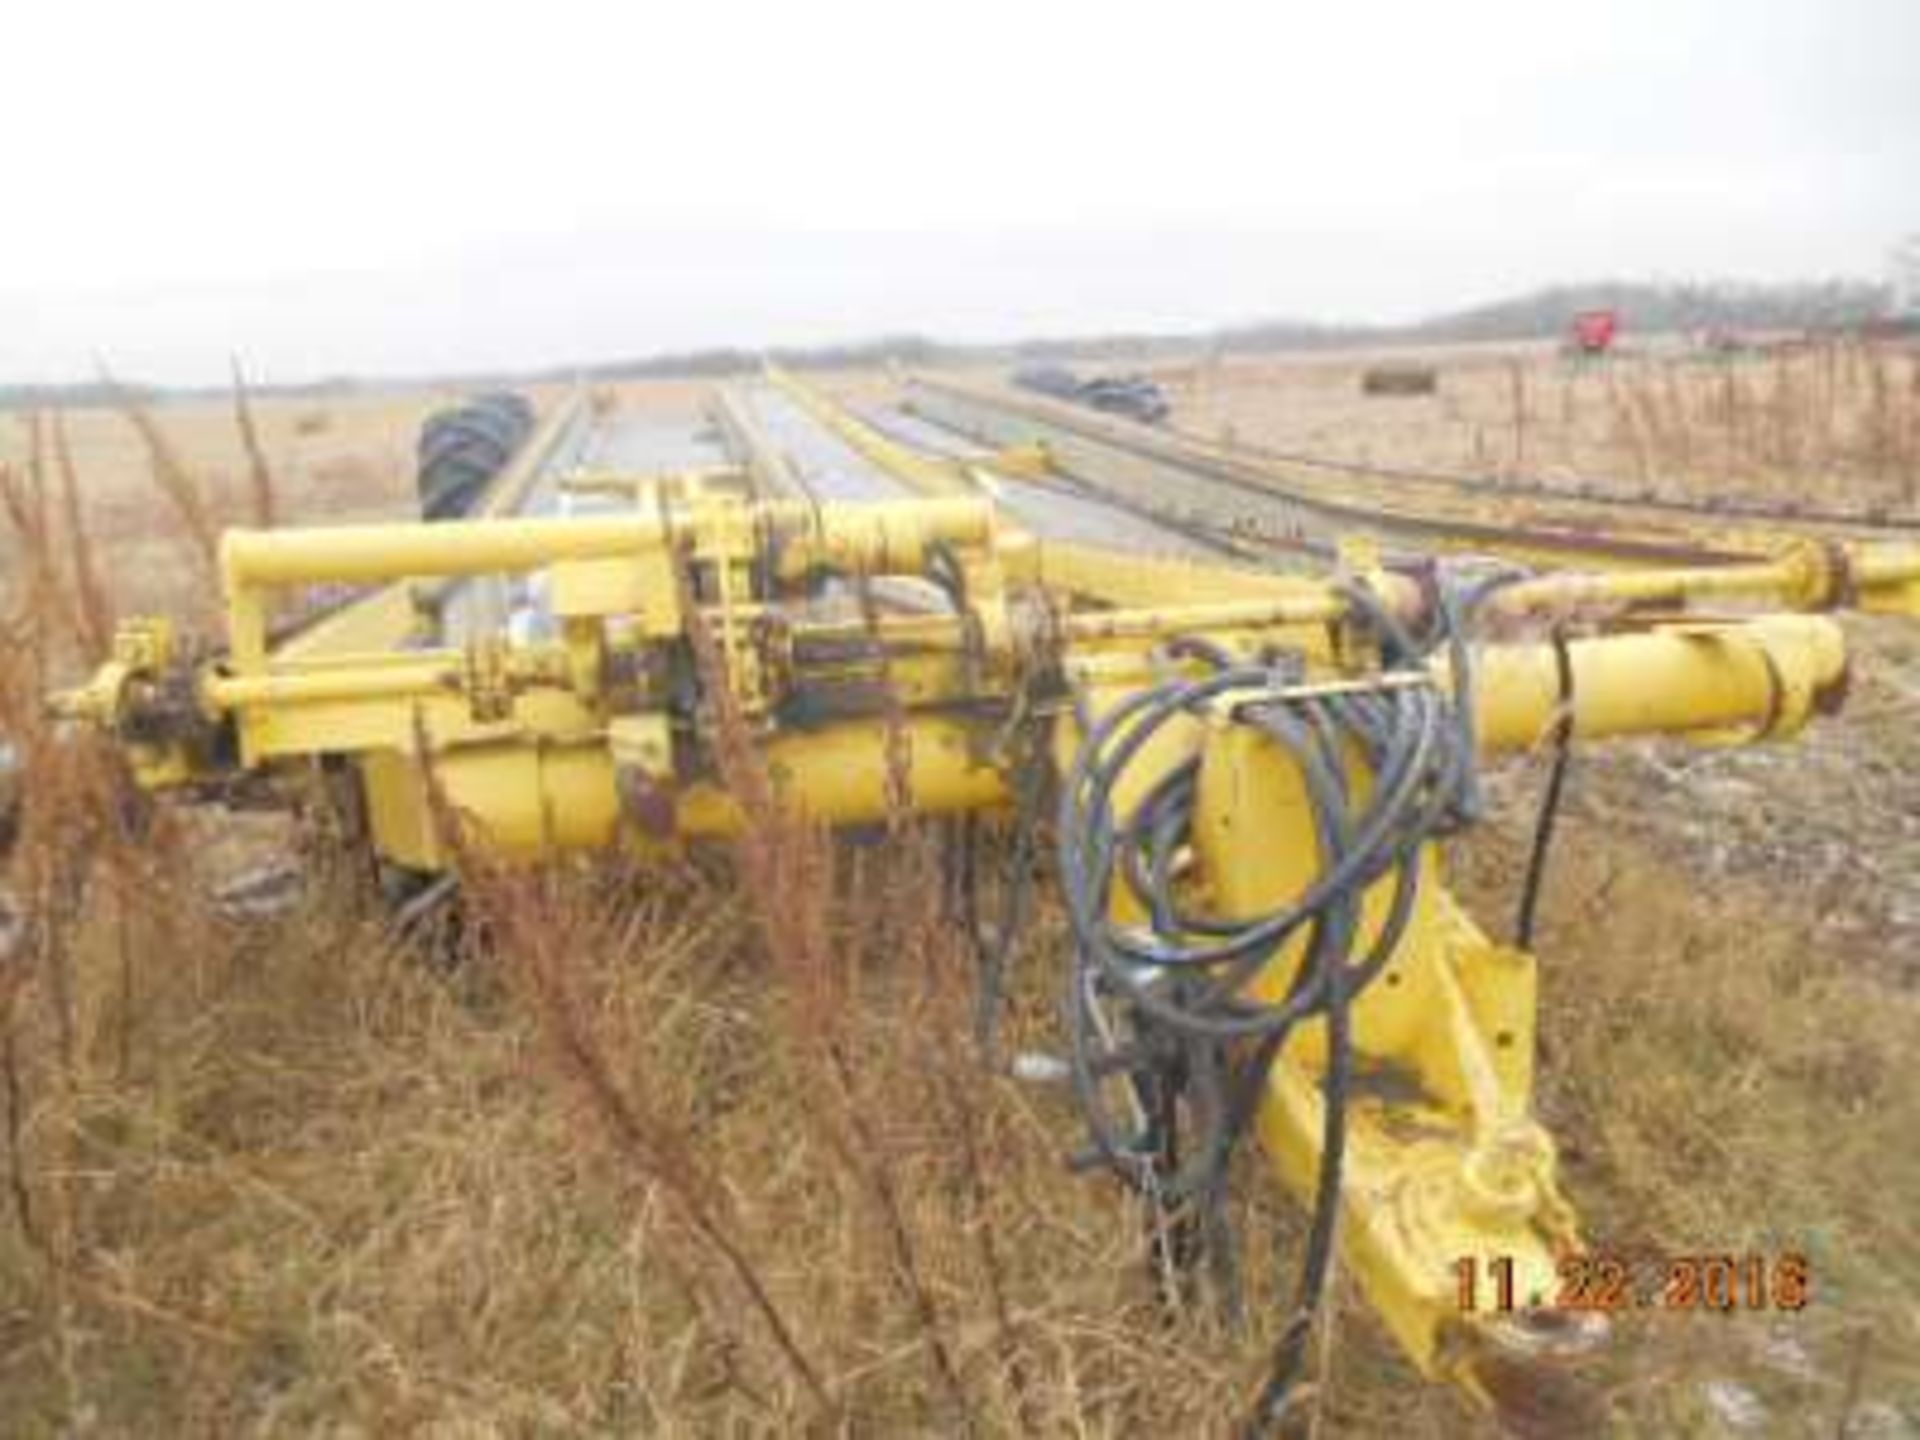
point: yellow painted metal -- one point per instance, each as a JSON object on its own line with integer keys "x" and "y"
{"x": 391, "y": 617}
{"x": 1805, "y": 576}
{"x": 402, "y": 823}
{"x": 1321, "y": 607}
{"x": 145, "y": 652}
{"x": 586, "y": 739}
{"x": 839, "y": 775}
{"x": 1114, "y": 577}
{"x": 1710, "y": 682}
{"x": 528, "y": 800}
{"x": 877, "y": 537}
{"x": 614, "y": 588}
{"x": 1760, "y": 679}
{"x": 889, "y": 537}
{"x": 602, "y": 566}
{"x": 674, "y": 486}
{"x": 1885, "y": 579}
{"x": 524, "y": 800}
{"x": 385, "y": 620}
{"x": 1443, "y": 1158}
{"x": 415, "y": 675}
{"x": 1032, "y": 461}
{"x": 368, "y": 554}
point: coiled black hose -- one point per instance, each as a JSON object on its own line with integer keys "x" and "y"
{"x": 1157, "y": 1003}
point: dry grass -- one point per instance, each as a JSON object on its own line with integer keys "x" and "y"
{"x": 1723, "y": 1078}
{"x": 349, "y": 458}
{"x": 701, "y": 1147}
{"x": 1835, "y": 424}
{"x": 265, "y": 508}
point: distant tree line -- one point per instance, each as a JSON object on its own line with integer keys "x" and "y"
{"x": 1646, "y": 307}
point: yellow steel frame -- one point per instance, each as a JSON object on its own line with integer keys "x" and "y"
{"x": 544, "y": 745}
{"x": 1443, "y": 1158}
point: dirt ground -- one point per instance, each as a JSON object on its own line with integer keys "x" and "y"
{"x": 1729, "y": 1021}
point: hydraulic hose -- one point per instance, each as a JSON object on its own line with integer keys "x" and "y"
{"x": 1156, "y": 1001}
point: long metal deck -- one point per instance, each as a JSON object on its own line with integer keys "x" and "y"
{"x": 1122, "y": 486}
{"x": 1261, "y": 501}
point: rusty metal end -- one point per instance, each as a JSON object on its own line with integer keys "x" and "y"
{"x": 649, "y": 804}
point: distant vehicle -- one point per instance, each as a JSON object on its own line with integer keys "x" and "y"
{"x": 1133, "y": 396}
{"x": 1593, "y": 332}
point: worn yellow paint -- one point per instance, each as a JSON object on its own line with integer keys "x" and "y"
{"x": 587, "y": 740}
{"x": 1443, "y": 1045}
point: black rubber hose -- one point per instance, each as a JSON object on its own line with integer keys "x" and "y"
{"x": 1181, "y": 976}
{"x": 1549, "y": 813}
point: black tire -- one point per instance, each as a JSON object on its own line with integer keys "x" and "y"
{"x": 462, "y": 449}
{"x": 480, "y": 423}
{"x": 507, "y": 402}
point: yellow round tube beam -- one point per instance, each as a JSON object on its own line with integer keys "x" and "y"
{"x": 870, "y": 536}
{"x": 1760, "y": 679}
{"x": 527, "y": 800}
{"x": 882, "y": 536}
{"x": 365, "y": 554}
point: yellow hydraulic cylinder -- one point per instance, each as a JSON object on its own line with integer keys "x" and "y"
{"x": 883, "y": 537}
{"x": 1760, "y": 679}
{"x": 527, "y": 800}
{"x": 1808, "y": 576}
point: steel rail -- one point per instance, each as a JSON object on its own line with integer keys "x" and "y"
{"x": 1577, "y": 490}
{"x": 1302, "y": 506}
{"x": 913, "y": 468}
{"x": 771, "y": 469}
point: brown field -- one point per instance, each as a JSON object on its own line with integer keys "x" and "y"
{"x": 673, "y": 1153}
{"x": 1835, "y": 425}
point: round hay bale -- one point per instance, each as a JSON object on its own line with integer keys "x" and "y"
{"x": 1399, "y": 377}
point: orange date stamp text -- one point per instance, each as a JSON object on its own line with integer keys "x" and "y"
{"x": 1600, "y": 1283}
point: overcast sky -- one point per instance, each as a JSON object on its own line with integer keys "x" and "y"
{"x": 409, "y": 186}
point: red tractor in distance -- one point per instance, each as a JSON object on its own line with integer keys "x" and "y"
{"x": 1592, "y": 332}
